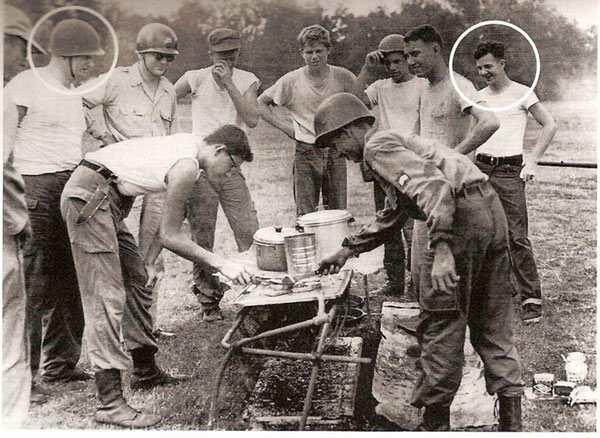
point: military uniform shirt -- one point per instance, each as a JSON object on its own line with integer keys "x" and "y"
{"x": 130, "y": 110}
{"x": 421, "y": 179}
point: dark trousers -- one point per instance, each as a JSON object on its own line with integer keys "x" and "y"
{"x": 482, "y": 301}
{"x": 54, "y": 312}
{"x": 315, "y": 171}
{"x": 511, "y": 191}
{"x": 231, "y": 192}
{"x": 394, "y": 260}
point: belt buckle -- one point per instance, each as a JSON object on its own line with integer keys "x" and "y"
{"x": 495, "y": 161}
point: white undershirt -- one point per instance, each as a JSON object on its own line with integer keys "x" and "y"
{"x": 508, "y": 139}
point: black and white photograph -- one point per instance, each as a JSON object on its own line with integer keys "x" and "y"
{"x": 299, "y": 215}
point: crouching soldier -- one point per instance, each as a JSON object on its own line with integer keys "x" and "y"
{"x": 109, "y": 266}
{"x": 464, "y": 278}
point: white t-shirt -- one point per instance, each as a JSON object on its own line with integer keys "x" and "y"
{"x": 141, "y": 164}
{"x": 508, "y": 139}
{"x": 212, "y": 106}
{"x": 398, "y": 103}
{"x": 302, "y": 95}
{"x": 49, "y": 136}
{"x": 443, "y": 115}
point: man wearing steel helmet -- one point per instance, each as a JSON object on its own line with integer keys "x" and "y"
{"x": 395, "y": 102}
{"x": 16, "y": 372}
{"x": 221, "y": 94}
{"x": 138, "y": 101}
{"x": 47, "y": 147}
{"x": 465, "y": 274}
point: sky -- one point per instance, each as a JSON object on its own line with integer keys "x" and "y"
{"x": 584, "y": 12}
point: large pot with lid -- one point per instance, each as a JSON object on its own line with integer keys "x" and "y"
{"x": 270, "y": 252}
{"x": 330, "y": 227}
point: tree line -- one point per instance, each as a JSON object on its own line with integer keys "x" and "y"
{"x": 270, "y": 28}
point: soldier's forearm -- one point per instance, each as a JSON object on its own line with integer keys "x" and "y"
{"x": 544, "y": 140}
{"x": 245, "y": 109}
{"x": 478, "y": 136}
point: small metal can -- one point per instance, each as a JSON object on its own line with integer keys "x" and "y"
{"x": 543, "y": 383}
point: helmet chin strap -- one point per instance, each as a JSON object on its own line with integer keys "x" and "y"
{"x": 71, "y": 67}
{"x": 146, "y": 67}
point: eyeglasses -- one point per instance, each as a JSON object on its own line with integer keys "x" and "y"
{"x": 160, "y": 56}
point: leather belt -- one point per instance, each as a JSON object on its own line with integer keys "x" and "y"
{"x": 499, "y": 161}
{"x": 106, "y": 173}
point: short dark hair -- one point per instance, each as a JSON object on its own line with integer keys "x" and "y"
{"x": 234, "y": 138}
{"x": 496, "y": 48}
{"x": 426, "y": 33}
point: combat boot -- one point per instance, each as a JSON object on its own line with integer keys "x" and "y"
{"x": 113, "y": 406}
{"x": 435, "y": 419}
{"x": 510, "y": 414}
{"x": 146, "y": 373}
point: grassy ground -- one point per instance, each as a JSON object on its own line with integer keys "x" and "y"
{"x": 562, "y": 206}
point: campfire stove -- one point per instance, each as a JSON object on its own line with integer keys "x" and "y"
{"x": 334, "y": 289}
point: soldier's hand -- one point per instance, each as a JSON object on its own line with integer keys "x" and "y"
{"x": 222, "y": 72}
{"x": 107, "y": 139}
{"x": 25, "y": 234}
{"x": 374, "y": 59}
{"x": 528, "y": 171}
{"x": 334, "y": 262}
{"x": 443, "y": 272}
{"x": 153, "y": 275}
{"x": 237, "y": 273}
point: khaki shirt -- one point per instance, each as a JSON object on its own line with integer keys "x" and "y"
{"x": 130, "y": 110}
{"x": 421, "y": 178}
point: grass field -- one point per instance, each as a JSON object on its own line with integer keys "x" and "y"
{"x": 562, "y": 206}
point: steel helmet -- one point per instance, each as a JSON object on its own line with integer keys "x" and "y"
{"x": 16, "y": 23}
{"x": 156, "y": 37}
{"x": 392, "y": 43}
{"x": 336, "y": 112}
{"x": 73, "y": 37}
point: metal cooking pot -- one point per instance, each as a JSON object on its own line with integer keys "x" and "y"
{"x": 270, "y": 252}
{"x": 330, "y": 228}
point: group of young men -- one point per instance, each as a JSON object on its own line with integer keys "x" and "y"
{"x": 99, "y": 222}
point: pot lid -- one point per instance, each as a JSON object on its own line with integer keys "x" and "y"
{"x": 324, "y": 217}
{"x": 273, "y": 235}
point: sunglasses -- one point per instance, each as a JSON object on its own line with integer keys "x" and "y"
{"x": 159, "y": 57}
